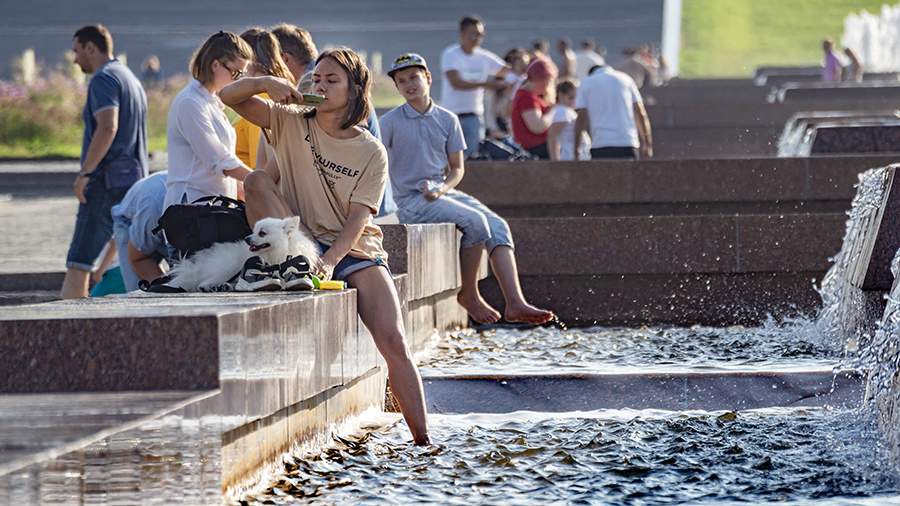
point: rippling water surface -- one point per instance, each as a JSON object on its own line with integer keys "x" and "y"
{"x": 610, "y": 457}
{"x": 792, "y": 345}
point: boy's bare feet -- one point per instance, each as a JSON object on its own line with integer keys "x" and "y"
{"x": 479, "y": 310}
{"x": 526, "y": 313}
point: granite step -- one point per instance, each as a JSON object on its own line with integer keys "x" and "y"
{"x": 18, "y": 298}
{"x": 676, "y": 391}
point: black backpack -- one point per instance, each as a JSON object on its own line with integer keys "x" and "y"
{"x": 202, "y": 223}
{"x": 492, "y": 149}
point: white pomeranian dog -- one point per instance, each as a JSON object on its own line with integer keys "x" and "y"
{"x": 274, "y": 240}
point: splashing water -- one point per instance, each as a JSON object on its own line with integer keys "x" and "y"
{"x": 774, "y": 345}
{"x": 844, "y": 315}
{"x": 881, "y": 357}
{"x": 607, "y": 456}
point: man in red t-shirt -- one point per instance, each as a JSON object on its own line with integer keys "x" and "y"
{"x": 532, "y": 108}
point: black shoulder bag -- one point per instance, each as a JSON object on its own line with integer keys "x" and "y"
{"x": 202, "y": 223}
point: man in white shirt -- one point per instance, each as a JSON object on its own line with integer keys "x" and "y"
{"x": 609, "y": 102}
{"x": 469, "y": 69}
{"x": 586, "y": 58}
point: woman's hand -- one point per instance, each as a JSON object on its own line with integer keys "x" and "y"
{"x": 282, "y": 91}
{"x": 324, "y": 268}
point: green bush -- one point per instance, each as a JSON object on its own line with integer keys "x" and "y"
{"x": 45, "y": 119}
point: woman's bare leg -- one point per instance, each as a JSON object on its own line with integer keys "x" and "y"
{"x": 379, "y": 308}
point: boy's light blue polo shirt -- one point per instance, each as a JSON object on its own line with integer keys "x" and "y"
{"x": 417, "y": 145}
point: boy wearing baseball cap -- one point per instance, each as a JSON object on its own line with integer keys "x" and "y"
{"x": 422, "y": 140}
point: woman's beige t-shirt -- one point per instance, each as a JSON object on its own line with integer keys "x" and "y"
{"x": 354, "y": 170}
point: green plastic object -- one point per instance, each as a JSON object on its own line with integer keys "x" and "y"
{"x": 312, "y": 98}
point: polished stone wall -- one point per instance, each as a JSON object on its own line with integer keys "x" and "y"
{"x": 715, "y": 242}
{"x": 258, "y": 371}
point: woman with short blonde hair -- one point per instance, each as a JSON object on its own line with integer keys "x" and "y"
{"x": 201, "y": 140}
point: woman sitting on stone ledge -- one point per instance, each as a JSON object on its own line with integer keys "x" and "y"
{"x": 332, "y": 173}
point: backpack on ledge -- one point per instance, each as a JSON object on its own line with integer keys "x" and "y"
{"x": 202, "y": 223}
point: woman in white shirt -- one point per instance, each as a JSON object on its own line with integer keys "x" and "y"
{"x": 202, "y": 160}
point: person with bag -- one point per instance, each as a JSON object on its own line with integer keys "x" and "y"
{"x": 332, "y": 173}
{"x": 113, "y": 153}
{"x": 201, "y": 140}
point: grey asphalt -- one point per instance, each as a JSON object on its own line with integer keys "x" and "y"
{"x": 36, "y": 233}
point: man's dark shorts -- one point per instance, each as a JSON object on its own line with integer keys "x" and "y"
{"x": 625, "y": 152}
{"x": 93, "y": 224}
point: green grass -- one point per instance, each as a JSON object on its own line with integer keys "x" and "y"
{"x": 730, "y": 38}
{"x": 48, "y": 122}
{"x": 385, "y": 94}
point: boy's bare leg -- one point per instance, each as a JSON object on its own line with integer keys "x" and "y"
{"x": 518, "y": 310}
{"x": 469, "y": 297}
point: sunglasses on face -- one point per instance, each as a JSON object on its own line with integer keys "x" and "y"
{"x": 235, "y": 73}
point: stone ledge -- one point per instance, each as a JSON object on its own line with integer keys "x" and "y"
{"x": 429, "y": 254}
{"x": 667, "y": 181}
{"x": 676, "y": 299}
{"x": 747, "y": 115}
{"x": 803, "y": 92}
{"x": 677, "y": 244}
{"x": 710, "y": 391}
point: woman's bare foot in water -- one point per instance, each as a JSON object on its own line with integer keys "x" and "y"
{"x": 479, "y": 310}
{"x": 526, "y": 313}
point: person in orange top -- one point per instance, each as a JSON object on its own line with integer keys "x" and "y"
{"x": 267, "y": 61}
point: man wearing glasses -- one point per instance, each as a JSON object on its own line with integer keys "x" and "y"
{"x": 113, "y": 154}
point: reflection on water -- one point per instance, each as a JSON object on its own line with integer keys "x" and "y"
{"x": 613, "y": 457}
{"x": 170, "y": 460}
{"x": 794, "y": 344}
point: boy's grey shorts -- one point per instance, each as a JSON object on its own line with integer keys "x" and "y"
{"x": 476, "y": 221}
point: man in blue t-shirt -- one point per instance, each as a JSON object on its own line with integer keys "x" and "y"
{"x": 113, "y": 153}
{"x": 425, "y": 145}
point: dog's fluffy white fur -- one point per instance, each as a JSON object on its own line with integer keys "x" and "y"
{"x": 273, "y": 240}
